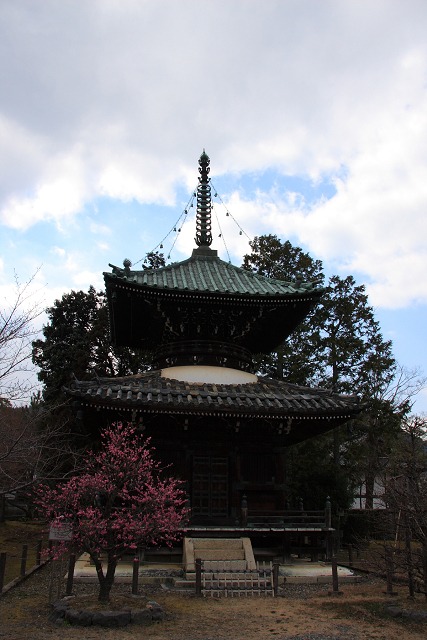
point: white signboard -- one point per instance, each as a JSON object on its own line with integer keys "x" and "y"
{"x": 62, "y": 532}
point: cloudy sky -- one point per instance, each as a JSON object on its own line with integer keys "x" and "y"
{"x": 313, "y": 112}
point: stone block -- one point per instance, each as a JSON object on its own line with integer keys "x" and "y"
{"x": 58, "y": 611}
{"x": 141, "y": 616}
{"x": 79, "y": 618}
{"x": 416, "y": 616}
{"x": 156, "y": 611}
{"x": 111, "y": 619}
{"x": 157, "y": 615}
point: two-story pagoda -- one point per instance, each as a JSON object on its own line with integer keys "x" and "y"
{"x": 223, "y": 427}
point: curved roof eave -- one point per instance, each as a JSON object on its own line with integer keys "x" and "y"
{"x": 211, "y": 275}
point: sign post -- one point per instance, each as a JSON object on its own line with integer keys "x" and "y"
{"x": 61, "y": 532}
{"x": 58, "y": 532}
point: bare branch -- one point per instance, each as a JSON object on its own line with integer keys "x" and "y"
{"x": 17, "y": 332}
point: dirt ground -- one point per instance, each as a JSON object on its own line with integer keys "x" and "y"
{"x": 300, "y": 612}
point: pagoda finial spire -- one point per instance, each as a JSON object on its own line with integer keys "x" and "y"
{"x": 204, "y": 205}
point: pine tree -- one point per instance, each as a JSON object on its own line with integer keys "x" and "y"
{"x": 76, "y": 342}
{"x": 339, "y": 346}
{"x": 296, "y": 359}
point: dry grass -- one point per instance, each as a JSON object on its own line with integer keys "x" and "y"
{"x": 302, "y": 612}
{"x": 13, "y": 535}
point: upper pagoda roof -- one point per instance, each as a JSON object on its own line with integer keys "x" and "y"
{"x": 205, "y": 272}
{"x": 225, "y": 313}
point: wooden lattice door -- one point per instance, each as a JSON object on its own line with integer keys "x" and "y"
{"x": 210, "y": 486}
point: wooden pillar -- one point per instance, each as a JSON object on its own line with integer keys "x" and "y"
{"x": 39, "y": 552}
{"x": 328, "y": 513}
{"x": 350, "y": 556}
{"x": 135, "y": 576}
{"x": 276, "y": 578}
{"x": 334, "y": 574}
{"x": 389, "y": 562}
{"x": 2, "y": 569}
{"x": 198, "y": 576}
{"x": 244, "y": 511}
{"x": 286, "y": 547}
{"x": 70, "y": 575}
{"x": 24, "y": 559}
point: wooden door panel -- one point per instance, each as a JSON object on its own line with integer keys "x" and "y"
{"x": 210, "y": 486}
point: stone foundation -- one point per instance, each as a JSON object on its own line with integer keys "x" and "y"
{"x": 64, "y": 613}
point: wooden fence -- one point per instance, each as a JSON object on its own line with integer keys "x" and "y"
{"x": 222, "y": 578}
{"x": 15, "y": 566}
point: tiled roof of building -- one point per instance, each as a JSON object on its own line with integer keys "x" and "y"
{"x": 149, "y": 392}
{"x": 204, "y": 271}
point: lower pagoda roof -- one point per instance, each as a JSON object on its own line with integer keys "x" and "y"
{"x": 265, "y": 399}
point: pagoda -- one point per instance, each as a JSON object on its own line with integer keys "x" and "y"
{"x": 223, "y": 428}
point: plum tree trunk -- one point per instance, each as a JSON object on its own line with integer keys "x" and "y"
{"x": 104, "y": 590}
{"x": 106, "y": 580}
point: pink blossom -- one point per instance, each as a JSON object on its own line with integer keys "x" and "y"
{"x": 121, "y": 502}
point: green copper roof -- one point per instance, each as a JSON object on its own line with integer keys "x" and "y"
{"x": 204, "y": 271}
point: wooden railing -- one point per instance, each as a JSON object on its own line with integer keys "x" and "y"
{"x": 288, "y": 519}
{"x": 298, "y": 518}
{"x": 14, "y": 567}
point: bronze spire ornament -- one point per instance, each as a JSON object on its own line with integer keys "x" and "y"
{"x": 204, "y": 205}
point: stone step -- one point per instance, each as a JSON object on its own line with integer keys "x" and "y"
{"x": 225, "y": 550}
{"x": 229, "y": 565}
{"x": 219, "y": 554}
{"x": 217, "y": 543}
{"x": 185, "y": 585}
{"x": 239, "y": 576}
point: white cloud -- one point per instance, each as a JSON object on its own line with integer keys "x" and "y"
{"x": 59, "y": 251}
{"x": 103, "y": 246}
{"x": 99, "y": 229}
{"x": 84, "y": 279}
{"x": 117, "y": 99}
{"x": 59, "y": 195}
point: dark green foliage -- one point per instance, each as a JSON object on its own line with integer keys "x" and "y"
{"x": 296, "y": 359}
{"x": 339, "y": 346}
{"x": 366, "y": 524}
{"x": 76, "y": 342}
{"x": 313, "y": 475}
{"x": 154, "y": 260}
{"x": 354, "y": 357}
{"x": 273, "y": 259}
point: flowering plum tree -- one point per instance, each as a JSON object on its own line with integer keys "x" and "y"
{"x": 121, "y": 501}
